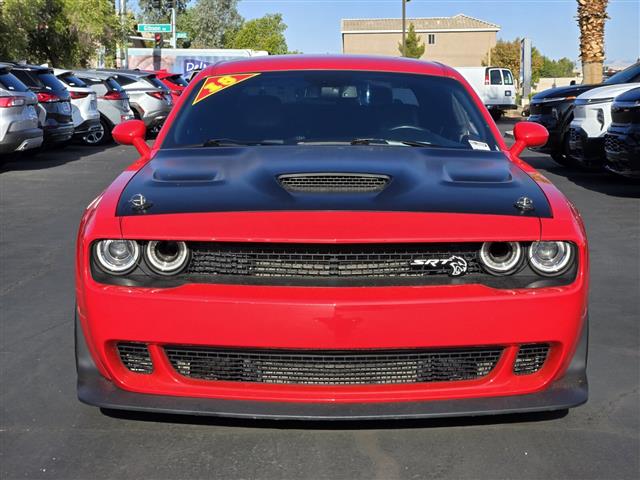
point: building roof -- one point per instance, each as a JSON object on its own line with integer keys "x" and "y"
{"x": 458, "y": 22}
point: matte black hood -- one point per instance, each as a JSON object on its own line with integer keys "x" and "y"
{"x": 559, "y": 92}
{"x": 224, "y": 179}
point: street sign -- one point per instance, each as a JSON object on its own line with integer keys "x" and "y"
{"x": 154, "y": 27}
{"x": 181, "y": 34}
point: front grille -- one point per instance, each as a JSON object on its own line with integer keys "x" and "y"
{"x": 530, "y": 358}
{"x": 333, "y": 367}
{"x": 330, "y": 262}
{"x": 613, "y": 144}
{"x": 333, "y": 182}
{"x": 135, "y": 356}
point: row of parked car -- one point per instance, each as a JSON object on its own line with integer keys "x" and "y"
{"x": 594, "y": 126}
{"x": 41, "y": 106}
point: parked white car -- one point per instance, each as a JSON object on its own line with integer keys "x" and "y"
{"x": 591, "y": 119}
{"x": 113, "y": 103}
{"x": 495, "y": 86}
{"x": 84, "y": 106}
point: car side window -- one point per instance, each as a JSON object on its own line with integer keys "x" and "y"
{"x": 122, "y": 80}
{"x": 495, "y": 76}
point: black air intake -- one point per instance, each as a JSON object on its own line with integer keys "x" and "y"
{"x": 359, "y": 367}
{"x": 334, "y": 182}
{"x": 135, "y": 356}
{"x": 530, "y": 358}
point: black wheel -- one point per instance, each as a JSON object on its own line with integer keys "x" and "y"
{"x": 496, "y": 114}
{"x": 97, "y": 137}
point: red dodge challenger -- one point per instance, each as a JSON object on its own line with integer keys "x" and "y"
{"x": 331, "y": 237}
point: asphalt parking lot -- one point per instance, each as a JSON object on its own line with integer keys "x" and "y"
{"x": 46, "y": 433}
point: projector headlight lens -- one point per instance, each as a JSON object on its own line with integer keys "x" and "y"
{"x": 550, "y": 258}
{"x": 166, "y": 257}
{"x": 501, "y": 258}
{"x": 117, "y": 257}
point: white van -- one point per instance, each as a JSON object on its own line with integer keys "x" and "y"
{"x": 495, "y": 86}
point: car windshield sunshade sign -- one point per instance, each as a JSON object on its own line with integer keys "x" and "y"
{"x": 216, "y": 84}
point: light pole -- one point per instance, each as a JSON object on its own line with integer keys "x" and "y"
{"x": 404, "y": 27}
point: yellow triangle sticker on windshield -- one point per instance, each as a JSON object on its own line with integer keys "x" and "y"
{"x": 218, "y": 83}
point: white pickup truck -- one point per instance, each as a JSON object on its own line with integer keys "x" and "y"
{"x": 495, "y": 86}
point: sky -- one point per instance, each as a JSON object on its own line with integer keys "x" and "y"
{"x": 314, "y": 25}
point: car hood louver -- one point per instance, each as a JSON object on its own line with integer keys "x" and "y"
{"x": 227, "y": 179}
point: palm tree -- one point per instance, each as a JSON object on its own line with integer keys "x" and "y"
{"x": 592, "y": 15}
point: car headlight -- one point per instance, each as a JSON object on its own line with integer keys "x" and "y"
{"x": 117, "y": 257}
{"x": 501, "y": 258}
{"x": 550, "y": 258}
{"x": 166, "y": 257}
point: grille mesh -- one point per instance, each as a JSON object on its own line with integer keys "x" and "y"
{"x": 333, "y": 367}
{"x": 135, "y": 356}
{"x": 530, "y": 358}
{"x": 613, "y": 144}
{"x": 333, "y": 182}
{"x": 328, "y": 261}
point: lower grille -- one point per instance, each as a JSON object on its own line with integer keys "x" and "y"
{"x": 135, "y": 356}
{"x": 530, "y": 358}
{"x": 333, "y": 367}
{"x": 613, "y": 144}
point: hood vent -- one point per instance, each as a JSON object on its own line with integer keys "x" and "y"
{"x": 334, "y": 182}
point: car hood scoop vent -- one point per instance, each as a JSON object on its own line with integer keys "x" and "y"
{"x": 333, "y": 182}
{"x": 327, "y": 177}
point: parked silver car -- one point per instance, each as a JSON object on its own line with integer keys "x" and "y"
{"x": 84, "y": 105}
{"x": 113, "y": 103}
{"x": 150, "y": 99}
{"x": 18, "y": 116}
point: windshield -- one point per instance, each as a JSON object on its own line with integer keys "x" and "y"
{"x": 72, "y": 80}
{"x": 628, "y": 75}
{"x": 320, "y": 107}
{"x": 153, "y": 80}
{"x": 11, "y": 83}
{"x": 177, "y": 80}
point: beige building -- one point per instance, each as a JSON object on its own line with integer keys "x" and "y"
{"x": 459, "y": 41}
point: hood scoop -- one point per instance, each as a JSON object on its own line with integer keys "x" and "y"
{"x": 333, "y": 182}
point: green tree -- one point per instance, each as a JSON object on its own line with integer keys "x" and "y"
{"x": 556, "y": 68}
{"x": 213, "y": 22}
{"x": 266, "y": 33}
{"x": 151, "y": 14}
{"x": 414, "y": 46}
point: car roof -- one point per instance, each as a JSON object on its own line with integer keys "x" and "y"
{"x": 329, "y": 62}
{"x": 33, "y": 68}
{"x": 131, "y": 73}
{"x": 99, "y": 74}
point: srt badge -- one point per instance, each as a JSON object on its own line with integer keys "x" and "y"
{"x": 457, "y": 265}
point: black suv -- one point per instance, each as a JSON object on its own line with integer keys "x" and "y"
{"x": 553, "y": 109}
{"x": 53, "y": 99}
{"x": 622, "y": 140}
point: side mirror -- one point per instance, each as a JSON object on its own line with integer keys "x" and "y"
{"x": 132, "y": 132}
{"x": 528, "y": 134}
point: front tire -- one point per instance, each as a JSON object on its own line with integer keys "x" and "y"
{"x": 496, "y": 114}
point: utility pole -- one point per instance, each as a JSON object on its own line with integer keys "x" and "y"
{"x": 174, "y": 38}
{"x": 124, "y": 57}
{"x": 404, "y": 27}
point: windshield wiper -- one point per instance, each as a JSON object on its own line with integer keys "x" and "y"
{"x": 229, "y": 142}
{"x": 383, "y": 141}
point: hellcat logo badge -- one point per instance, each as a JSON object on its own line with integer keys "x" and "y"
{"x": 457, "y": 265}
{"x": 139, "y": 202}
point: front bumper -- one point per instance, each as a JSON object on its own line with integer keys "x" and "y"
{"x": 587, "y": 151}
{"x": 555, "y": 142}
{"x": 622, "y": 147}
{"x": 569, "y": 391}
